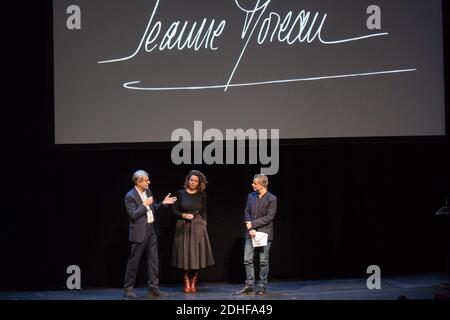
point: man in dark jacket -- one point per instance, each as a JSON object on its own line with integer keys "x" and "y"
{"x": 260, "y": 211}
{"x": 143, "y": 234}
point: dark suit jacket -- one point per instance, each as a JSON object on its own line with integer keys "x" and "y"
{"x": 261, "y": 212}
{"x": 137, "y": 213}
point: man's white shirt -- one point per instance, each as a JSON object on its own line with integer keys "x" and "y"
{"x": 150, "y": 218}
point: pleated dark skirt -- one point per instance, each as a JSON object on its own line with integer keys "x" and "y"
{"x": 191, "y": 247}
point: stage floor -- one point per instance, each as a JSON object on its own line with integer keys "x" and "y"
{"x": 414, "y": 287}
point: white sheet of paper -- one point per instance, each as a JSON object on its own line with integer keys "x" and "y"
{"x": 260, "y": 240}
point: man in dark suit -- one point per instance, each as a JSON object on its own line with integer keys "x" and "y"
{"x": 143, "y": 234}
{"x": 260, "y": 211}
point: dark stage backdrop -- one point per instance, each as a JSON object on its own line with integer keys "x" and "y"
{"x": 341, "y": 209}
{"x": 342, "y": 205}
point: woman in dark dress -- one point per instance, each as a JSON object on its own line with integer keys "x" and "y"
{"x": 191, "y": 247}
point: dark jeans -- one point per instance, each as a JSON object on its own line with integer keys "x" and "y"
{"x": 150, "y": 247}
{"x": 263, "y": 263}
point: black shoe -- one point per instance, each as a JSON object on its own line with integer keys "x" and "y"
{"x": 156, "y": 293}
{"x": 129, "y": 293}
{"x": 262, "y": 290}
{"x": 246, "y": 290}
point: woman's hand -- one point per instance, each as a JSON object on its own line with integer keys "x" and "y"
{"x": 187, "y": 216}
